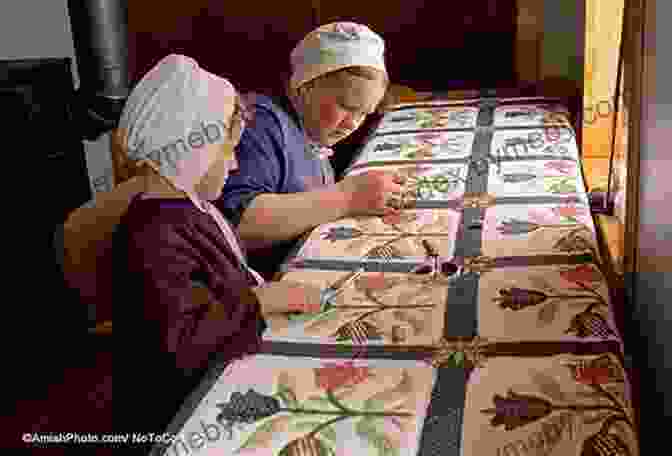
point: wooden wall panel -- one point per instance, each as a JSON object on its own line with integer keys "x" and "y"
{"x": 242, "y": 41}
{"x": 430, "y": 46}
{"x": 529, "y": 35}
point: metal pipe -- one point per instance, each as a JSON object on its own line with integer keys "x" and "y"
{"x": 100, "y": 36}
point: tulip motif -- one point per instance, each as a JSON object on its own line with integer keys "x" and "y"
{"x": 516, "y": 410}
{"x": 518, "y": 227}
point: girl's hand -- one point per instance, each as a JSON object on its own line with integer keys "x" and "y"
{"x": 369, "y": 193}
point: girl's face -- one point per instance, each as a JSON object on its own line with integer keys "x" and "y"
{"x": 335, "y": 106}
{"x": 211, "y": 185}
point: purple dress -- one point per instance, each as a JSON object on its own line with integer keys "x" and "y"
{"x": 164, "y": 340}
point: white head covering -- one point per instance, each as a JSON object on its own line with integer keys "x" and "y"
{"x": 170, "y": 118}
{"x": 333, "y": 47}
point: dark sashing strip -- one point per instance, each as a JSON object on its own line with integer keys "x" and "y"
{"x": 486, "y": 115}
{"x": 442, "y": 430}
{"x": 471, "y": 233}
{"x": 543, "y": 260}
{"x": 352, "y": 264}
{"x": 321, "y": 350}
{"x": 438, "y": 204}
{"x": 461, "y": 318}
{"x": 424, "y": 353}
{"x": 407, "y": 266}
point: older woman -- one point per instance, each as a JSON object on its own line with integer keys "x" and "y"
{"x": 285, "y": 184}
{"x": 179, "y": 129}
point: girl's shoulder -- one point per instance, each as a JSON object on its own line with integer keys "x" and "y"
{"x": 165, "y": 213}
{"x": 274, "y": 112}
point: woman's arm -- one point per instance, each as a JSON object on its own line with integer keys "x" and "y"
{"x": 276, "y": 217}
{"x": 161, "y": 262}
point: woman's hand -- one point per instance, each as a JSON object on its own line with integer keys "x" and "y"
{"x": 288, "y": 296}
{"x": 369, "y": 193}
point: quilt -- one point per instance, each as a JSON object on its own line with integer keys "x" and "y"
{"x": 477, "y": 321}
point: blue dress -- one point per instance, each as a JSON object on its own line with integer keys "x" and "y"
{"x": 273, "y": 157}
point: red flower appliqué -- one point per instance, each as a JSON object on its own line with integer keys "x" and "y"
{"x": 569, "y": 210}
{"x": 392, "y": 219}
{"x": 592, "y": 375}
{"x": 582, "y": 274}
{"x": 372, "y": 282}
{"x": 398, "y": 217}
{"x": 336, "y": 375}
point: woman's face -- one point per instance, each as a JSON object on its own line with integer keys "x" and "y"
{"x": 211, "y": 185}
{"x": 336, "y": 105}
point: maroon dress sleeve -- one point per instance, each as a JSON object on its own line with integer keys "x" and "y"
{"x": 163, "y": 258}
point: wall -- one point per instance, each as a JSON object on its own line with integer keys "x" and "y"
{"x": 549, "y": 50}
{"x": 38, "y": 28}
{"x": 429, "y": 46}
{"x": 550, "y": 44}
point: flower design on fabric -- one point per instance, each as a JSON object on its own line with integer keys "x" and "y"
{"x": 332, "y": 376}
{"x": 431, "y": 138}
{"x": 560, "y": 185}
{"x": 315, "y": 416}
{"x": 519, "y": 298}
{"x": 587, "y": 323}
{"x": 418, "y": 151}
{"x": 399, "y": 218}
{"x": 604, "y": 444}
{"x": 583, "y": 274}
{"x": 592, "y": 375}
{"x": 373, "y": 283}
{"x": 590, "y": 324}
{"x": 570, "y": 210}
{"x": 518, "y": 178}
{"x": 517, "y": 226}
{"x": 342, "y": 233}
{"x": 516, "y": 410}
{"x": 574, "y": 241}
{"x": 308, "y": 446}
{"x": 596, "y": 371}
{"x": 358, "y": 332}
{"x": 247, "y": 408}
{"x": 561, "y": 166}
